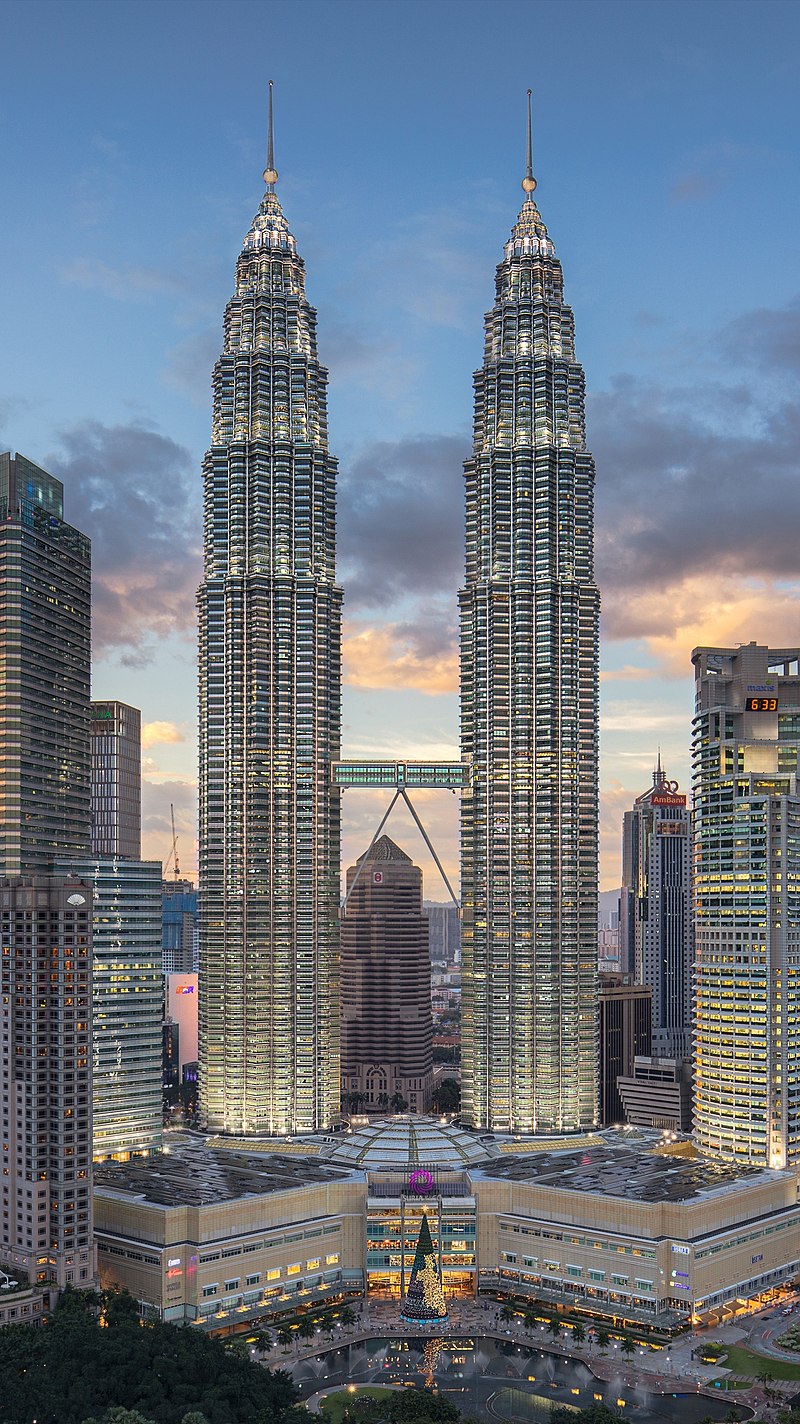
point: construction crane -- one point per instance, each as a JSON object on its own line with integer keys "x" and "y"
{"x": 173, "y": 855}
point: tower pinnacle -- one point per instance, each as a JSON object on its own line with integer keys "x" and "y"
{"x": 529, "y": 182}
{"x": 270, "y": 172}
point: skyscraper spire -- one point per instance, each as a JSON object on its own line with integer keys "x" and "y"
{"x": 529, "y": 182}
{"x": 529, "y": 629}
{"x": 270, "y": 656}
{"x": 270, "y": 172}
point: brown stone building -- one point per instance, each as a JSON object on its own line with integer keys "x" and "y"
{"x": 387, "y": 1032}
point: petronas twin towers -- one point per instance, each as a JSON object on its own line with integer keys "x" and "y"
{"x": 270, "y": 695}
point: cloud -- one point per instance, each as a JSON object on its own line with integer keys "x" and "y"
{"x": 417, "y": 656}
{"x": 156, "y": 734}
{"x": 137, "y": 495}
{"x": 157, "y": 798}
{"x": 190, "y": 364}
{"x": 124, "y": 284}
{"x": 698, "y": 497}
{"x": 401, "y": 521}
{"x": 709, "y": 170}
{"x": 614, "y": 800}
{"x": 628, "y": 673}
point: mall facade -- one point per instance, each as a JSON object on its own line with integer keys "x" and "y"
{"x": 609, "y": 1225}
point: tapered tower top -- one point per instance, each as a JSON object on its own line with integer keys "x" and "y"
{"x": 271, "y": 172}
{"x": 529, "y": 235}
{"x": 529, "y": 182}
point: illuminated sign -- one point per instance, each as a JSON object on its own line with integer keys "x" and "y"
{"x": 663, "y": 798}
{"x": 680, "y": 1250}
{"x": 421, "y": 1182}
{"x": 762, "y": 687}
{"x": 103, "y": 714}
{"x": 176, "y": 1260}
{"x": 761, "y": 704}
{"x": 377, "y": 878}
{"x": 185, "y": 989}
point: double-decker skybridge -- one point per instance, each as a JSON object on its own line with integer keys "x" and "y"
{"x": 402, "y": 776}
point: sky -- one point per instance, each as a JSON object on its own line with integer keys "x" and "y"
{"x": 666, "y": 150}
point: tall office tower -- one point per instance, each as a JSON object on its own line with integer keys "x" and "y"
{"x": 44, "y": 707}
{"x": 387, "y": 1029}
{"x": 529, "y": 631}
{"x": 444, "y": 932}
{"x": 625, "y": 1017}
{"x": 127, "y": 986}
{"x": 656, "y": 909}
{"x": 45, "y": 919}
{"x": 179, "y": 927}
{"x": 45, "y": 1071}
{"x": 270, "y": 654}
{"x": 116, "y": 780}
{"x": 747, "y": 903}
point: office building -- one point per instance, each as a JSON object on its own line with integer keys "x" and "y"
{"x": 746, "y": 740}
{"x": 656, "y": 910}
{"x": 44, "y": 635}
{"x": 116, "y": 780}
{"x": 444, "y": 932}
{"x": 386, "y": 1028}
{"x": 127, "y": 991}
{"x": 270, "y": 653}
{"x": 529, "y": 633}
{"x": 45, "y": 985}
{"x": 626, "y": 1016}
{"x": 179, "y": 927}
{"x": 45, "y": 978}
{"x": 658, "y": 1093}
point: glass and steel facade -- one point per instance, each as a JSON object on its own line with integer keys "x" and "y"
{"x": 45, "y": 568}
{"x": 116, "y": 780}
{"x": 270, "y": 654}
{"x": 655, "y": 910}
{"x": 127, "y": 1005}
{"x": 747, "y": 904}
{"x": 529, "y": 633}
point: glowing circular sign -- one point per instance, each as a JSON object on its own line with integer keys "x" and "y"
{"x": 420, "y": 1182}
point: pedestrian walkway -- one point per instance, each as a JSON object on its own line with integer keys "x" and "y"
{"x": 671, "y": 1370}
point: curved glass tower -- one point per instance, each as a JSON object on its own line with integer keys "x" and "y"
{"x": 270, "y": 616}
{"x": 529, "y": 635}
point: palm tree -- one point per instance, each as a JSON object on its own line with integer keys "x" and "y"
{"x": 306, "y": 1328}
{"x": 554, "y": 1327}
{"x": 347, "y": 1316}
{"x": 627, "y": 1346}
{"x": 507, "y": 1314}
{"x": 578, "y": 1333}
{"x": 263, "y": 1341}
{"x": 602, "y": 1337}
{"x": 285, "y": 1336}
{"x": 530, "y": 1320}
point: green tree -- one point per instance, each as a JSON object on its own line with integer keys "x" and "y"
{"x": 578, "y": 1333}
{"x": 627, "y": 1346}
{"x": 398, "y": 1103}
{"x": 554, "y": 1326}
{"x": 347, "y": 1316}
{"x": 446, "y": 1097}
{"x": 117, "y": 1415}
{"x": 306, "y": 1329}
{"x": 507, "y": 1314}
{"x": 194, "y": 1417}
{"x": 285, "y": 1337}
{"x": 602, "y": 1337}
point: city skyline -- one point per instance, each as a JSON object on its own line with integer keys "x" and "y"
{"x": 679, "y": 162}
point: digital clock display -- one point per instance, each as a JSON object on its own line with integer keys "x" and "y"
{"x": 761, "y": 704}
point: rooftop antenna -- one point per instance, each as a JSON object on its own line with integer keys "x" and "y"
{"x": 270, "y": 172}
{"x": 529, "y": 182}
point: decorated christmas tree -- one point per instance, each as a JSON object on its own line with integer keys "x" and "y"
{"x": 424, "y": 1298}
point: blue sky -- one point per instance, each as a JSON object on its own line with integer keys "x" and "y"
{"x": 665, "y": 143}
